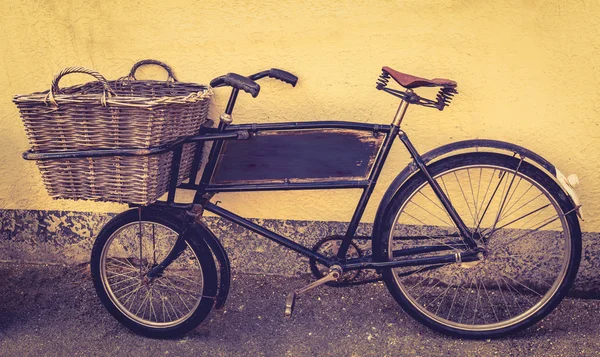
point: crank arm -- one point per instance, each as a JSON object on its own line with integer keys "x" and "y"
{"x": 334, "y": 274}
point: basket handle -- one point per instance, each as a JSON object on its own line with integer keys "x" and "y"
{"x": 55, "y": 88}
{"x": 171, "y": 76}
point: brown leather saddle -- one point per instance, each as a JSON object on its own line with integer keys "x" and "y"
{"x": 408, "y": 81}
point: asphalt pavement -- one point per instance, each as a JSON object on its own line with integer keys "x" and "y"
{"x": 54, "y": 311}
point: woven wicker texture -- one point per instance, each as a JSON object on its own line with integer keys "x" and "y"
{"x": 126, "y": 113}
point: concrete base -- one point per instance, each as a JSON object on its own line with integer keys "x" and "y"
{"x": 67, "y": 238}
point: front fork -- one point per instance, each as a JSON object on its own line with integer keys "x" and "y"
{"x": 178, "y": 249}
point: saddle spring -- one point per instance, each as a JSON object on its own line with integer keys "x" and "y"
{"x": 383, "y": 80}
{"x": 444, "y": 97}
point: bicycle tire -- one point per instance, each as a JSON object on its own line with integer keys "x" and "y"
{"x": 185, "y": 292}
{"x": 531, "y": 266}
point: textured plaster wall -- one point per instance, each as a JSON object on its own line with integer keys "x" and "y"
{"x": 527, "y": 73}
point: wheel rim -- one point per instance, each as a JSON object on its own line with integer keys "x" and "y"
{"x": 523, "y": 231}
{"x": 161, "y": 302}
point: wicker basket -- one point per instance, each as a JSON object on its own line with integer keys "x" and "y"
{"x": 126, "y": 113}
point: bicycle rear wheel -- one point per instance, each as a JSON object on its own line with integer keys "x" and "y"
{"x": 171, "y": 304}
{"x": 520, "y": 216}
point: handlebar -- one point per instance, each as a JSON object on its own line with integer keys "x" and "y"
{"x": 248, "y": 85}
{"x": 276, "y": 73}
{"x": 237, "y": 81}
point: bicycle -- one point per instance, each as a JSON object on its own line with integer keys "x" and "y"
{"x": 475, "y": 239}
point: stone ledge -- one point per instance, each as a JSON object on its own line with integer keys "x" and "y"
{"x": 67, "y": 238}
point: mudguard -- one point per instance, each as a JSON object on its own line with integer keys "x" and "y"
{"x": 199, "y": 230}
{"x": 483, "y": 145}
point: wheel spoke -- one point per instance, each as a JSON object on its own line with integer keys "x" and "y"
{"x": 492, "y": 175}
{"x": 521, "y": 284}
{"x": 465, "y": 305}
{"x": 490, "y": 201}
{"x": 440, "y": 207}
{"x": 131, "y": 294}
{"x": 503, "y": 297}
{"x": 433, "y": 238}
{"x": 185, "y": 278}
{"x": 489, "y": 234}
{"x": 124, "y": 265}
{"x": 143, "y": 303}
{"x": 453, "y": 300}
{"x": 508, "y": 210}
{"x": 152, "y": 310}
{"x": 491, "y": 303}
{"x": 126, "y": 287}
{"x": 465, "y": 197}
{"x": 530, "y": 231}
{"x": 475, "y": 311}
{"x": 426, "y": 210}
{"x": 507, "y": 200}
{"x": 177, "y": 289}
{"x": 503, "y": 200}
{"x": 551, "y": 273}
{"x": 165, "y": 309}
{"x": 443, "y": 296}
{"x": 169, "y": 285}
{"x": 125, "y": 280}
{"x": 428, "y": 290}
{"x": 113, "y": 274}
{"x": 476, "y": 213}
{"x": 513, "y": 290}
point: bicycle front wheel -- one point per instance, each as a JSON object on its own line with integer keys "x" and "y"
{"x": 170, "y": 304}
{"x": 520, "y": 217}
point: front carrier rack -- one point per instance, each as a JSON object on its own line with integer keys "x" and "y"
{"x": 174, "y": 148}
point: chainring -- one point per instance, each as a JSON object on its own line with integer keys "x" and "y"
{"x": 329, "y": 247}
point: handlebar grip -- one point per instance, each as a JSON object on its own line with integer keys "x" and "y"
{"x": 237, "y": 81}
{"x": 284, "y": 76}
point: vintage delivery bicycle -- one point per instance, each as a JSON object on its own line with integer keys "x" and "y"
{"x": 478, "y": 238}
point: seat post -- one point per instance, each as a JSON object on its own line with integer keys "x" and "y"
{"x": 401, "y": 111}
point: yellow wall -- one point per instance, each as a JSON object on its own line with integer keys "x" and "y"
{"x": 528, "y": 72}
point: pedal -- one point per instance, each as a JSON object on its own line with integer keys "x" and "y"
{"x": 335, "y": 272}
{"x": 290, "y": 301}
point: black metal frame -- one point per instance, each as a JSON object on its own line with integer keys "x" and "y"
{"x": 367, "y": 186}
{"x": 391, "y": 132}
{"x": 205, "y": 190}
